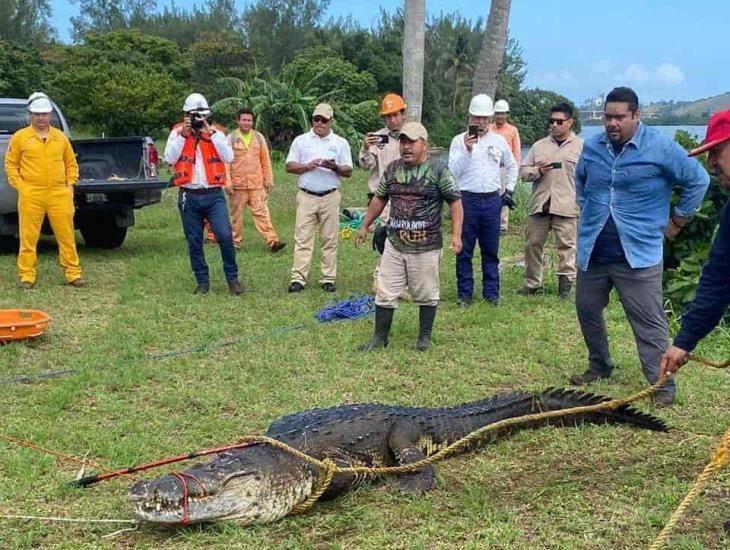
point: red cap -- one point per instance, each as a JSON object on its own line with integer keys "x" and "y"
{"x": 718, "y": 131}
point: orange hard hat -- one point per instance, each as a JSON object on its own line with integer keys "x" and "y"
{"x": 392, "y": 103}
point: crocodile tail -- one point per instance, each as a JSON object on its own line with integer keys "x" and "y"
{"x": 557, "y": 398}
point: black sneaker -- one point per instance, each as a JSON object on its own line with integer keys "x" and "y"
{"x": 235, "y": 287}
{"x": 202, "y": 289}
{"x": 328, "y": 287}
{"x": 464, "y": 303}
{"x": 586, "y": 378}
{"x": 296, "y": 287}
{"x": 276, "y": 246}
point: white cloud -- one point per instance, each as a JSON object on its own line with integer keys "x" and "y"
{"x": 636, "y": 74}
{"x": 670, "y": 74}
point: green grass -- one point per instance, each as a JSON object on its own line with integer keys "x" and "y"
{"x": 590, "y": 487}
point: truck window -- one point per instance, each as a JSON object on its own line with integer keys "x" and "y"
{"x": 15, "y": 117}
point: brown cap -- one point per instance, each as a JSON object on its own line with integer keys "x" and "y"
{"x": 414, "y": 131}
{"x": 323, "y": 110}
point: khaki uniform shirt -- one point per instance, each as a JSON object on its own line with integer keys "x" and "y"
{"x": 557, "y": 185}
{"x": 378, "y": 157}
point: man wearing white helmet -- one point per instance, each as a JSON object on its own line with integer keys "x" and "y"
{"x": 512, "y": 135}
{"x": 198, "y": 154}
{"x": 41, "y": 166}
{"x": 475, "y": 158}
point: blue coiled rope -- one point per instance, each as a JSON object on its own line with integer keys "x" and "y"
{"x": 354, "y": 307}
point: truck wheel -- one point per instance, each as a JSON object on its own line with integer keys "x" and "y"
{"x": 9, "y": 244}
{"x": 102, "y": 232}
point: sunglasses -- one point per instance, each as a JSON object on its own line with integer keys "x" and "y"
{"x": 320, "y": 119}
{"x": 558, "y": 121}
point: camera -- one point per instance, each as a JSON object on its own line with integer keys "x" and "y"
{"x": 556, "y": 165}
{"x": 383, "y": 138}
{"x": 197, "y": 120}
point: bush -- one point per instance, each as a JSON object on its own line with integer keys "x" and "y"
{"x": 688, "y": 252}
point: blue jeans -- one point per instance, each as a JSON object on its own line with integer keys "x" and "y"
{"x": 194, "y": 210}
{"x": 481, "y": 223}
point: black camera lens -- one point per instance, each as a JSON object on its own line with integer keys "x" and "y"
{"x": 197, "y": 120}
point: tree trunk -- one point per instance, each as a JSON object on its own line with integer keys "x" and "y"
{"x": 492, "y": 52}
{"x": 414, "y": 38}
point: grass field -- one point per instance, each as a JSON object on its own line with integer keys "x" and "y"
{"x": 590, "y": 487}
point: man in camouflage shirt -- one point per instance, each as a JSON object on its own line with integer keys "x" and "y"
{"x": 416, "y": 187}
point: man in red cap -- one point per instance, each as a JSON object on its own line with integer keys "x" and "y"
{"x": 713, "y": 291}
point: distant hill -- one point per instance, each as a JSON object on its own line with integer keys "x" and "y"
{"x": 685, "y": 112}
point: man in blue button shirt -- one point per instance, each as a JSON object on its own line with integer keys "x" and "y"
{"x": 623, "y": 183}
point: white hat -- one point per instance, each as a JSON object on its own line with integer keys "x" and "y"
{"x": 501, "y": 106}
{"x": 481, "y": 105}
{"x": 196, "y": 102}
{"x": 39, "y": 103}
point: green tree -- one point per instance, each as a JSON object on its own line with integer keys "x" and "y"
{"x": 492, "y": 52}
{"x": 530, "y": 112}
{"x": 218, "y": 55}
{"x": 279, "y": 29}
{"x": 104, "y": 16}
{"x": 21, "y": 70}
{"x": 324, "y": 71}
{"x": 26, "y": 21}
{"x": 121, "y": 82}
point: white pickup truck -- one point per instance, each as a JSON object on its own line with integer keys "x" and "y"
{"x": 116, "y": 176}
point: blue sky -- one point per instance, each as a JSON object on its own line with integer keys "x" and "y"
{"x": 667, "y": 49}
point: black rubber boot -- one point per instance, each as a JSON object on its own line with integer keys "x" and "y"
{"x": 564, "y": 286}
{"x": 426, "y": 316}
{"x": 383, "y": 320}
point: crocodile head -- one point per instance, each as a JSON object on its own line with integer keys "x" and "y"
{"x": 256, "y": 484}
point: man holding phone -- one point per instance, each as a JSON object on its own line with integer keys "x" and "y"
{"x": 475, "y": 158}
{"x": 381, "y": 147}
{"x": 550, "y": 166}
{"x": 320, "y": 158}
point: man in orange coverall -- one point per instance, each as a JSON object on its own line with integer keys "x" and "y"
{"x": 41, "y": 166}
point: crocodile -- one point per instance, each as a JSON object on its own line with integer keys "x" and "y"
{"x": 261, "y": 483}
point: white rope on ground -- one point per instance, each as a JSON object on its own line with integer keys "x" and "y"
{"x": 70, "y": 520}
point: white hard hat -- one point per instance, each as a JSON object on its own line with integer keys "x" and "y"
{"x": 196, "y": 102}
{"x": 501, "y": 106}
{"x": 481, "y": 105}
{"x": 39, "y": 103}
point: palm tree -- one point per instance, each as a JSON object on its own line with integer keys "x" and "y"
{"x": 414, "y": 38}
{"x": 492, "y": 52}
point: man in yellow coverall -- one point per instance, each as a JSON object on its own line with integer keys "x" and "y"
{"x": 41, "y": 166}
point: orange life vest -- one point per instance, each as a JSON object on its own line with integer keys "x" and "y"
{"x": 215, "y": 169}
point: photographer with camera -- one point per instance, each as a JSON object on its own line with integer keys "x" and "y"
{"x": 550, "y": 166}
{"x": 198, "y": 154}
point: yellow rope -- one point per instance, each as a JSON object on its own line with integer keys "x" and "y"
{"x": 719, "y": 459}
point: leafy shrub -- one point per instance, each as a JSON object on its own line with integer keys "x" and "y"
{"x": 688, "y": 252}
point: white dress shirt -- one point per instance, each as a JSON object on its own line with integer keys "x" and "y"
{"x": 174, "y": 147}
{"x": 478, "y": 171}
{"x": 310, "y": 146}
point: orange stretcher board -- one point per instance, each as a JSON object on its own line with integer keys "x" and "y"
{"x": 20, "y": 324}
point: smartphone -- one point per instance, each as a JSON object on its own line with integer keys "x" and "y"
{"x": 383, "y": 138}
{"x": 556, "y": 164}
{"x": 473, "y": 130}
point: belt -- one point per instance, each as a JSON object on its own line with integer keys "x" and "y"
{"x": 316, "y": 194}
{"x": 200, "y": 191}
{"x": 490, "y": 194}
